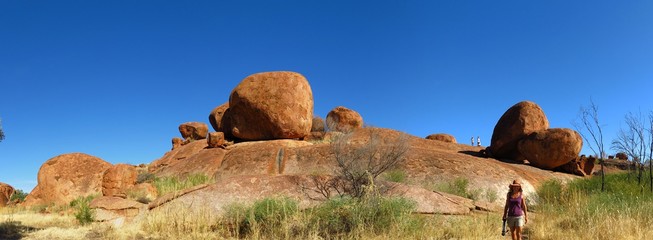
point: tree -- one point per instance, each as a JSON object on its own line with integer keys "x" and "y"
{"x": 634, "y": 140}
{"x": 589, "y": 124}
{"x": 2, "y": 134}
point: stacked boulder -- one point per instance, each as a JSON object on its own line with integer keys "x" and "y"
{"x": 523, "y": 133}
{"x": 342, "y": 119}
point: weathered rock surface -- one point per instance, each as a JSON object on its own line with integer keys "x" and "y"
{"x": 261, "y": 157}
{"x": 116, "y": 210}
{"x": 65, "y": 177}
{"x": 551, "y": 148}
{"x": 517, "y": 122}
{"x": 271, "y": 105}
{"x": 442, "y": 137}
{"x": 342, "y": 119}
{"x": 118, "y": 179}
{"x": 215, "y": 140}
{"x": 193, "y": 130}
{"x": 177, "y": 142}
{"x": 215, "y": 117}
{"x": 192, "y": 158}
{"x": 318, "y": 125}
{"x": 5, "y": 194}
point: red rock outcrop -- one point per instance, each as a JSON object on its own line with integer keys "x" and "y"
{"x": 177, "y": 142}
{"x": 193, "y": 130}
{"x": 65, "y": 177}
{"x": 116, "y": 210}
{"x": 216, "y": 139}
{"x": 5, "y": 193}
{"x": 551, "y": 148}
{"x": 517, "y": 122}
{"x": 118, "y": 179}
{"x": 621, "y": 156}
{"x": 342, "y": 119}
{"x": 442, "y": 137}
{"x": 191, "y": 158}
{"x": 215, "y": 117}
{"x": 271, "y": 105}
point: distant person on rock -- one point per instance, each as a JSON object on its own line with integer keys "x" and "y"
{"x": 478, "y": 140}
{"x": 472, "y": 141}
{"x": 515, "y": 212}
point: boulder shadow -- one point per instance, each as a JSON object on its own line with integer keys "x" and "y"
{"x": 474, "y": 153}
{"x": 13, "y": 230}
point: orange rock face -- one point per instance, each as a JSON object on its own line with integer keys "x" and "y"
{"x": 65, "y": 177}
{"x": 551, "y": 148}
{"x": 318, "y": 125}
{"x": 271, "y": 105}
{"x": 193, "y": 130}
{"x": 215, "y": 118}
{"x": 216, "y": 139}
{"x": 442, "y": 137}
{"x": 118, "y": 179}
{"x": 191, "y": 158}
{"x": 5, "y": 193}
{"x": 342, "y": 119}
{"x": 518, "y": 121}
{"x": 177, "y": 142}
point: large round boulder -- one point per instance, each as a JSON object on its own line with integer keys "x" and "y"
{"x": 65, "y": 177}
{"x": 342, "y": 119}
{"x": 215, "y": 117}
{"x": 442, "y": 137}
{"x": 622, "y": 156}
{"x": 517, "y": 122}
{"x": 118, "y": 179}
{"x": 5, "y": 194}
{"x": 270, "y": 105}
{"x": 551, "y": 148}
{"x": 193, "y": 130}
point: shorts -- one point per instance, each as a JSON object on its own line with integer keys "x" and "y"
{"x": 517, "y": 221}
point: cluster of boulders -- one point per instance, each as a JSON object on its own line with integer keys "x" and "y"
{"x": 523, "y": 133}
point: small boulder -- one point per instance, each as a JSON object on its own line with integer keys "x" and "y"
{"x": 215, "y": 117}
{"x": 318, "y": 125}
{"x": 517, "y": 122}
{"x": 551, "y": 148}
{"x": 5, "y": 194}
{"x": 442, "y": 137}
{"x": 177, "y": 142}
{"x": 622, "y": 156}
{"x": 193, "y": 130}
{"x": 116, "y": 210}
{"x": 215, "y": 140}
{"x": 65, "y": 177}
{"x": 270, "y": 105}
{"x": 342, "y": 119}
{"x": 118, "y": 179}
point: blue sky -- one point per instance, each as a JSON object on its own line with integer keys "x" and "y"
{"x": 114, "y": 79}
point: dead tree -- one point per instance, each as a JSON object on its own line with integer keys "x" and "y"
{"x": 633, "y": 140}
{"x": 590, "y": 125}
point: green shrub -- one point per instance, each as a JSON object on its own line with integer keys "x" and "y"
{"x": 491, "y": 194}
{"x": 83, "y": 212}
{"x": 550, "y": 192}
{"x": 459, "y": 187}
{"x": 145, "y": 177}
{"x": 396, "y": 175}
{"x": 18, "y": 195}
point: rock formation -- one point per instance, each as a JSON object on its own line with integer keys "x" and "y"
{"x": 342, "y": 119}
{"x": 215, "y": 117}
{"x": 518, "y": 121}
{"x": 116, "y": 210}
{"x": 191, "y": 158}
{"x": 271, "y": 105}
{"x": 193, "y": 130}
{"x": 621, "y": 156}
{"x": 216, "y": 139}
{"x": 551, "y": 148}
{"x": 65, "y": 177}
{"x": 177, "y": 142}
{"x": 5, "y": 194}
{"x": 118, "y": 179}
{"x": 442, "y": 137}
{"x": 318, "y": 125}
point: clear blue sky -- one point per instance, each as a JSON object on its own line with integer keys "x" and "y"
{"x": 114, "y": 79}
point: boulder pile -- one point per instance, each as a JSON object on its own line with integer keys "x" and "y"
{"x": 5, "y": 194}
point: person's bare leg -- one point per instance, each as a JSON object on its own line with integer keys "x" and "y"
{"x": 513, "y": 233}
{"x": 518, "y": 232}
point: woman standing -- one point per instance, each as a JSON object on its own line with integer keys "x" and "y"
{"x": 515, "y": 210}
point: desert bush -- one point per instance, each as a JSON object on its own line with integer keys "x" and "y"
{"x": 83, "y": 212}
{"x": 491, "y": 194}
{"x": 145, "y": 177}
{"x": 268, "y": 215}
{"x": 173, "y": 184}
{"x": 18, "y": 195}
{"x": 360, "y": 163}
{"x": 458, "y": 187}
{"x": 550, "y": 192}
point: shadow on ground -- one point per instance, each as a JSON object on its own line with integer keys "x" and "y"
{"x": 11, "y": 230}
